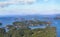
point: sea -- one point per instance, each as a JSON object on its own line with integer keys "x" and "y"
{"x": 8, "y": 20}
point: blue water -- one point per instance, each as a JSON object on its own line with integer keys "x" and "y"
{"x": 9, "y": 20}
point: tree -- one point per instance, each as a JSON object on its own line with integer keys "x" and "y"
{"x": 10, "y": 27}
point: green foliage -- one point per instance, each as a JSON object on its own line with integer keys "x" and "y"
{"x": 31, "y": 33}
{"x": 2, "y": 32}
{"x": 21, "y": 29}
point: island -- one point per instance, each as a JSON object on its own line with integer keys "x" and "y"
{"x": 22, "y": 29}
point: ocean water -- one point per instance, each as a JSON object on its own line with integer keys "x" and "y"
{"x": 9, "y": 20}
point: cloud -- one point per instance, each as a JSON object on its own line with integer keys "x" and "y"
{"x": 15, "y": 2}
{"x": 20, "y": 7}
{"x": 28, "y": 11}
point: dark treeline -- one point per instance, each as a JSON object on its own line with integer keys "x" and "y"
{"x": 22, "y": 29}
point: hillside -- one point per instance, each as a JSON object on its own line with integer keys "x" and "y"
{"x": 47, "y": 32}
{"x": 22, "y": 29}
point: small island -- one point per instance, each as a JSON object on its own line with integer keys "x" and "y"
{"x": 22, "y": 29}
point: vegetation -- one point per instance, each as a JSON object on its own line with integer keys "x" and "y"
{"x": 21, "y": 29}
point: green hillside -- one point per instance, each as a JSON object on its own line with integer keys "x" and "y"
{"x": 21, "y": 29}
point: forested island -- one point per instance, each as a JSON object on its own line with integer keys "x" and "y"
{"x": 22, "y": 29}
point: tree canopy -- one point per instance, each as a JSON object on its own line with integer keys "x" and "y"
{"x": 21, "y": 29}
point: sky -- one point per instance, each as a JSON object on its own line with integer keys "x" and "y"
{"x": 29, "y": 7}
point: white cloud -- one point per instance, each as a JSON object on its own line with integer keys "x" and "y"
{"x": 14, "y": 2}
{"x": 28, "y": 11}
